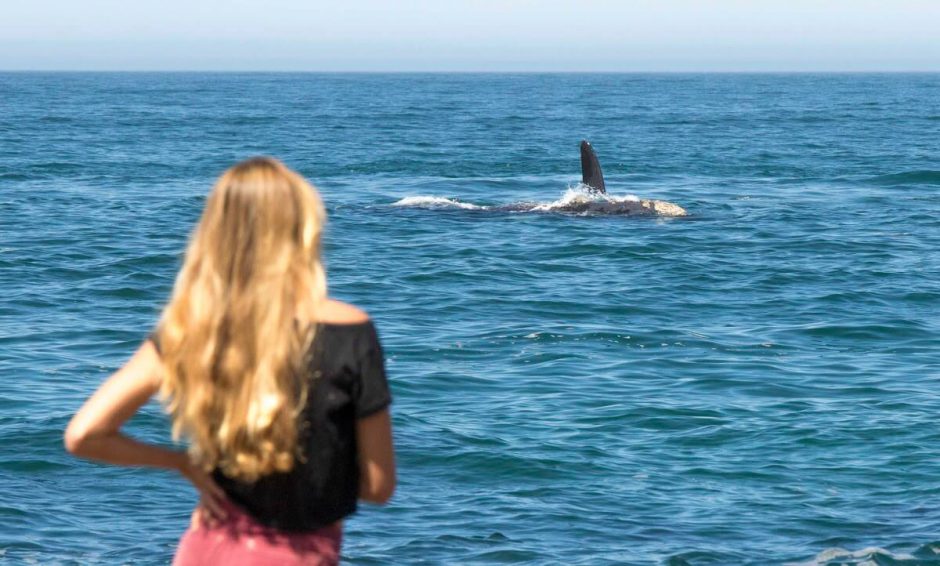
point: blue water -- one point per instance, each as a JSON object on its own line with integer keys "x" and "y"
{"x": 757, "y": 383}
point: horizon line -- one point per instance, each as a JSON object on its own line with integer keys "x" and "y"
{"x": 496, "y": 72}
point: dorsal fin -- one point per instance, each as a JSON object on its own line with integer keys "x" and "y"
{"x": 591, "y": 174}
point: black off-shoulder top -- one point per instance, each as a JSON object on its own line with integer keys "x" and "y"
{"x": 347, "y": 373}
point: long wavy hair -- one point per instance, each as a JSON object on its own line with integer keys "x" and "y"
{"x": 235, "y": 333}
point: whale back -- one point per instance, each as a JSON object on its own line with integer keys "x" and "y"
{"x": 591, "y": 174}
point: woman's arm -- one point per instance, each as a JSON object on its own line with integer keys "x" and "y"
{"x": 95, "y": 431}
{"x": 376, "y": 457}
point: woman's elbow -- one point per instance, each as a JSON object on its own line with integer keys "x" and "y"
{"x": 385, "y": 493}
{"x": 73, "y": 441}
{"x": 380, "y": 497}
{"x": 380, "y": 492}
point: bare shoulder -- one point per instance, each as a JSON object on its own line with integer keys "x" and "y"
{"x": 338, "y": 312}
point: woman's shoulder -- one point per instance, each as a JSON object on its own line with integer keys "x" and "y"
{"x": 338, "y": 313}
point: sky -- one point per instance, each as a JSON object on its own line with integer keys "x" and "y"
{"x": 471, "y": 35}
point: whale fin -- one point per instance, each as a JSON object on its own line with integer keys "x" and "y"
{"x": 591, "y": 174}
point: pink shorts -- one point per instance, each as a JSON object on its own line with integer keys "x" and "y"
{"x": 241, "y": 540}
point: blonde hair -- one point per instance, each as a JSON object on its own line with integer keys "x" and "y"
{"x": 235, "y": 333}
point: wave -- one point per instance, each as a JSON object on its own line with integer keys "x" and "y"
{"x": 435, "y": 202}
{"x": 927, "y": 554}
{"x": 577, "y": 200}
{"x": 922, "y": 177}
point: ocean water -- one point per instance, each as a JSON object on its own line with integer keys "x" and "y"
{"x": 756, "y": 383}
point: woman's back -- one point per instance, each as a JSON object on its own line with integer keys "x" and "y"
{"x": 347, "y": 383}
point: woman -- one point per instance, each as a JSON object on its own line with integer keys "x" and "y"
{"x": 280, "y": 391}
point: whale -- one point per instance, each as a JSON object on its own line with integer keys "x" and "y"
{"x": 589, "y": 198}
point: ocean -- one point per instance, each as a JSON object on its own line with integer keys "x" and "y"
{"x": 756, "y": 383}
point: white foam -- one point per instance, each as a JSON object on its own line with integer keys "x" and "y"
{"x": 435, "y": 202}
{"x": 579, "y": 199}
{"x": 583, "y": 196}
{"x": 864, "y": 557}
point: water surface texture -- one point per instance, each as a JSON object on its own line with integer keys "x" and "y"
{"x": 756, "y": 383}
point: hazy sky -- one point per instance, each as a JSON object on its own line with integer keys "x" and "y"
{"x": 470, "y": 35}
